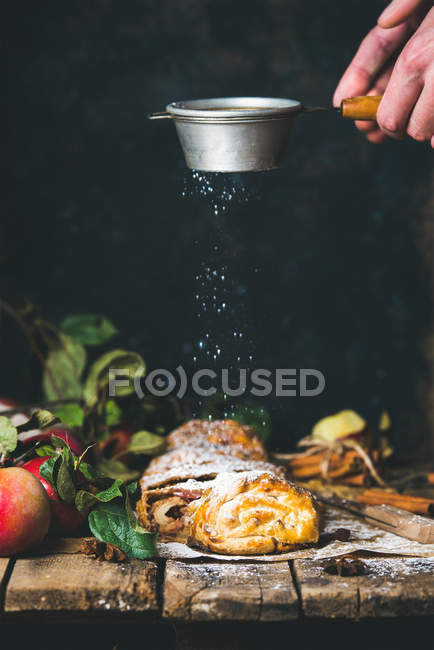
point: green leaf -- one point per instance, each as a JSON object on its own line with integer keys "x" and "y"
{"x": 84, "y": 500}
{"x": 111, "y": 492}
{"x": 113, "y": 414}
{"x": 70, "y": 414}
{"x": 89, "y": 329}
{"x": 64, "y": 480}
{"x": 8, "y": 436}
{"x": 144, "y": 442}
{"x": 65, "y": 484}
{"x": 66, "y": 364}
{"x": 49, "y": 469}
{"x": 117, "y": 469}
{"x": 89, "y": 472}
{"x": 59, "y": 443}
{"x": 132, "y": 487}
{"x": 128, "y": 364}
{"x": 40, "y": 419}
{"x": 132, "y": 519}
{"x": 45, "y": 450}
{"x": 94, "y": 476}
{"x": 109, "y": 523}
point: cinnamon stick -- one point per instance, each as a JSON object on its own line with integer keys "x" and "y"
{"x": 356, "y": 479}
{"x": 310, "y": 466}
{"x": 398, "y": 496}
{"x": 315, "y": 459}
{"x": 418, "y": 505}
{"x": 315, "y": 470}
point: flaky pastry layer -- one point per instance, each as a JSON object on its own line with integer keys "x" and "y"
{"x": 251, "y": 513}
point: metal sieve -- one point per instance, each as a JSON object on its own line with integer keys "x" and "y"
{"x": 241, "y": 134}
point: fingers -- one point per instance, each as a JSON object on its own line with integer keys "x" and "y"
{"x": 397, "y": 104}
{"x": 406, "y": 84}
{"x": 408, "y": 101}
{"x": 371, "y": 129}
{"x": 372, "y": 132}
{"x": 421, "y": 123}
{"x": 374, "y": 52}
{"x": 398, "y": 11}
{"x": 380, "y": 83}
{"x": 376, "y": 137}
{"x": 365, "y": 127}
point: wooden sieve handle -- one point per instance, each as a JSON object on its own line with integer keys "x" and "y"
{"x": 360, "y": 108}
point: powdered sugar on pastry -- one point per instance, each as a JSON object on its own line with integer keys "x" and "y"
{"x": 207, "y": 471}
{"x": 251, "y": 513}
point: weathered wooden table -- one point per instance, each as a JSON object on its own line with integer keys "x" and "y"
{"x": 71, "y": 587}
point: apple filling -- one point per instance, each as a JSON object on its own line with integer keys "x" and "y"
{"x": 168, "y": 514}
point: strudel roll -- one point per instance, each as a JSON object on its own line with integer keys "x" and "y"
{"x": 237, "y": 439}
{"x": 252, "y": 513}
{"x": 215, "y": 489}
{"x": 165, "y": 495}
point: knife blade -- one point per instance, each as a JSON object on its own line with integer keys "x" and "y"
{"x": 394, "y": 520}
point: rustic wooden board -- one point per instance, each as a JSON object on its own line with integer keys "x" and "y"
{"x": 324, "y": 595}
{"x": 397, "y": 587}
{"x": 78, "y": 583}
{"x": 4, "y": 563}
{"x": 391, "y": 587}
{"x": 230, "y": 592}
{"x": 4, "y": 566}
{"x": 206, "y": 592}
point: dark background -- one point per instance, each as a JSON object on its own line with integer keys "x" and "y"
{"x": 326, "y": 258}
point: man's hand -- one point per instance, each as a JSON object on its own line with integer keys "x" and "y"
{"x": 396, "y": 60}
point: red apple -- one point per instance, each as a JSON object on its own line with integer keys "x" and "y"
{"x": 34, "y": 466}
{"x": 24, "y": 511}
{"x": 35, "y": 435}
{"x": 45, "y": 436}
{"x": 65, "y": 517}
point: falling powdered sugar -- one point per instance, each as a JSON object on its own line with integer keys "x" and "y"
{"x": 224, "y": 341}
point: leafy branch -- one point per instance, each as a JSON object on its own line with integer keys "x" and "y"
{"x": 29, "y": 334}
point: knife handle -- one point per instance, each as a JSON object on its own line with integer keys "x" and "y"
{"x": 360, "y": 108}
{"x": 406, "y": 524}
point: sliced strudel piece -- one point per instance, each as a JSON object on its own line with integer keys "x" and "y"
{"x": 164, "y": 510}
{"x": 252, "y": 513}
{"x": 164, "y": 495}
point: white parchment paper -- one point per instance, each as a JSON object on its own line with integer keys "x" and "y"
{"x": 364, "y": 537}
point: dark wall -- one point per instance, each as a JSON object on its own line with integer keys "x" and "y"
{"x": 323, "y": 256}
